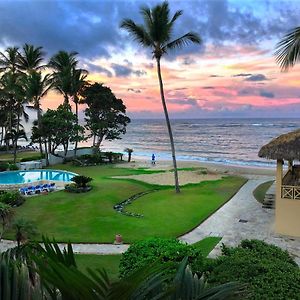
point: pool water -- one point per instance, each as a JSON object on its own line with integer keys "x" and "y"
{"x": 21, "y": 177}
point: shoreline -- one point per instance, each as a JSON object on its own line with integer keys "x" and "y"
{"x": 143, "y": 162}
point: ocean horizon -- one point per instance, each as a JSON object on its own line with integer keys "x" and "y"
{"x": 230, "y": 141}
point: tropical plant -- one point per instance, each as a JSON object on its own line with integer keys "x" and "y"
{"x": 170, "y": 251}
{"x": 9, "y": 59}
{"x": 63, "y": 65}
{"x": 268, "y": 271}
{"x": 129, "y": 151}
{"x": 31, "y": 58}
{"x": 24, "y": 229}
{"x": 81, "y": 180}
{"x": 6, "y": 215}
{"x": 105, "y": 114}
{"x": 12, "y": 198}
{"x": 288, "y": 49}
{"x": 36, "y": 87}
{"x": 156, "y": 34}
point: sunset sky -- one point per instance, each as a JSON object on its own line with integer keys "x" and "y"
{"x": 232, "y": 74}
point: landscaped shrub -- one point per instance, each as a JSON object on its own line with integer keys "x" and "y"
{"x": 13, "y": 167}
{"x": 3, "y": 166}
{"x": 12, "y": 198}
{"x": 148, "y": 251}
{"x": 268, "y": 271}
{"x": 81, "y": 180}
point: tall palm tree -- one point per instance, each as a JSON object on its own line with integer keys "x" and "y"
{"x": 288, "y": 49}
{"x": 9, "y": 59}
{"x": 156, "y": 33}
{"x": 31, "y": 58}
{"x": 36, "y": 87}
{"x": 63, "y": 64}
{"x": 78, "y": 84}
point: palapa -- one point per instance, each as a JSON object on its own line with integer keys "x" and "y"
{"x": 285, "y": 146}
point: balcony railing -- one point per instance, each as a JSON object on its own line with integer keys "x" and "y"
{"x": 290, "y": 192}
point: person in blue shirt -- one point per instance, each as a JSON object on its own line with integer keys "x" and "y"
{"x": 153, "y": 159}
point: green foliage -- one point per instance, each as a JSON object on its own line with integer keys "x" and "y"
{"x": 12, "y": 198}
{"x": 13, "y": 167}
{"x": 145, "y": 252}
{"x": 105, "y": 114}
{"x": 268, "y": 271}
{"x": 3, "y": 166}
{"x": 260, "y": 192}
{"x": 81, "y": 180}
{"x": 33, "y": 157}
{"x": 24, "y": 229}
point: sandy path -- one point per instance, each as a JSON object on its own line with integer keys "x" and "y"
{"x": 167, "y": 178}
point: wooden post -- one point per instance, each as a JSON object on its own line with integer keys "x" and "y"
{"x": 279, "y": 170}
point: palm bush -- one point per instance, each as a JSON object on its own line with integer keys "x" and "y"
{"x": 81, "y": 181}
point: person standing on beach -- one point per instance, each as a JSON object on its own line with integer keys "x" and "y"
{"x": 153, "y": 159}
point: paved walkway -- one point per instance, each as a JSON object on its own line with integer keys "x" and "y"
{"x": 240, "y": 218}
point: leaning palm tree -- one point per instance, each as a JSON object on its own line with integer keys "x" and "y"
{"x": 288, "y": 49}
{"x": 156, "y": 33}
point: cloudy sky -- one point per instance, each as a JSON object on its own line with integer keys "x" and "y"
{"x": 232, "y": 74}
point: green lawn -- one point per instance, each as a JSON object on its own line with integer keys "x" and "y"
{"x": 108, "y": 262}
{"x": 260, "y": 192}
{"x": 111, "y": 262}
{"x": 90, "y": 217}
{"x": 20, "y": 155}
{"x": 207, "y": 244}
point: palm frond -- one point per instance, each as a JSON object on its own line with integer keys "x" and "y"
{"x": 184, "y": 40}
{"x": 288, "y": 49}
{"x": 177, "y": 14}
{"x": 137, "y": 32}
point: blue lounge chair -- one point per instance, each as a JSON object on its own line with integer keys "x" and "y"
{"x": 52, "y": 186}
{"x": 45, "y": 187}
{"x": 37, "y": 189}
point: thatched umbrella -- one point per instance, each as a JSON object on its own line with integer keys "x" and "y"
{"x": 286, "y": 147}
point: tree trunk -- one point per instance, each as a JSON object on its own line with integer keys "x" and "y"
{"x": 15, "y": 141}
{"x": 39, "y": 127}
{"x": 46, "y": 155}
{"x": 76, "y": 112}
{"x": 129, "y": 156}
{"x": 177, "y": 188}
{"x": 66, "y": 99}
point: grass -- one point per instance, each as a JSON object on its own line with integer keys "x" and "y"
{"x": 20, "y": 155}
{"x": 207, "y": 244}
{"x": 109, "y": 262}
{"x": 90, "y": 217}
{"x": 260, "y": 192}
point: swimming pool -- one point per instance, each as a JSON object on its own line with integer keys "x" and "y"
{"x": 23, "y": 177}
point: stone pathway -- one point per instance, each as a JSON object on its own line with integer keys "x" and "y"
{"x": 243, "y": 218}
{"x": 240, "y": 218}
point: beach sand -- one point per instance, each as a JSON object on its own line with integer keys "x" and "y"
{"x": 214, "y": 171}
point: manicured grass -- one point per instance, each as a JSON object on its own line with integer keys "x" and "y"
{"x": 108, "y": 262}
{"x": 260, "y": 192}
{"x": 20, "y": 155}
{"x": 90, "y": 217}
{"x": 207, "y": 244}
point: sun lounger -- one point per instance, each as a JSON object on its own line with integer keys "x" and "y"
{"x": 52, "y": 186}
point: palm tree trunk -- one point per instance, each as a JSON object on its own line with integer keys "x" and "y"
{"x": 177, "y": 188}
{"x": 76, "y": 142}
{"x": 39, "y": 127}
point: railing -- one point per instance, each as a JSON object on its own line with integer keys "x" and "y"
{"x": 290, "y": 192}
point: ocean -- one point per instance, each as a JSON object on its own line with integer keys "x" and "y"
{"x": 225, "y": 141}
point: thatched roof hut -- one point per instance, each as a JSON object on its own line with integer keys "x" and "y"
{"x": 286, "y": 146}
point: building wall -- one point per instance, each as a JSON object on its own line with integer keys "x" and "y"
{"x": 287, "y": 216}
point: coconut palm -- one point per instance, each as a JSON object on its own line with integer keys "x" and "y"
{"x": 156, "y": 33}
{"x": 9, "y": 59}
{"x": 31, "y": 58}
{"x": 24, "y": 229}
{"x": 78, "y": 83}
{"x": 288, "y": 49}
{"x": 36, "y": 87}
{"x": 63, "y": 64}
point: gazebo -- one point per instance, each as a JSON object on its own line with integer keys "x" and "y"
{"x": 286, "y": 147}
